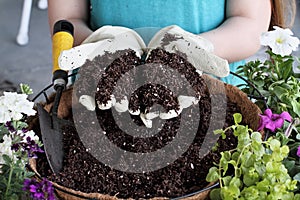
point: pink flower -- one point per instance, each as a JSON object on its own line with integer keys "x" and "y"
{"x": 273, "y": 121}
{"x": 298, "y": 152}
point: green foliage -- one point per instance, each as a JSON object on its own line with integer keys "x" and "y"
{"x": 276, "y": 81}
{"x": 25, "y": 89}
{"x": 13, "y": 163}
{"x": 259, "y": 171}
{"x": 12, "y": 177}
{"x": 3, "y": 131}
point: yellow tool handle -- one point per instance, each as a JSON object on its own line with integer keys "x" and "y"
{"x": 62, "y": 40}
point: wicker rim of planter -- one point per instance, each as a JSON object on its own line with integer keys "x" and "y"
{"x": 64, "y": 191}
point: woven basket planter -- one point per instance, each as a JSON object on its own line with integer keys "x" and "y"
{"x": 249, "y": 111}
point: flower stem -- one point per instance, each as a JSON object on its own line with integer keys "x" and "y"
{"x": 9, "y": 179}
{"x": 220, "y": 178}
{"x": 240, "y": 156}
{"x": 277, "y": 69}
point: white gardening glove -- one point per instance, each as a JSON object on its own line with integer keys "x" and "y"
{"x": 199, "y": 51}
{"x": 105, "y": 39}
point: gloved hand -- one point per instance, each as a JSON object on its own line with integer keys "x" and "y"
{"x": 105, "y": 39}
{"x": 198, "y": 50}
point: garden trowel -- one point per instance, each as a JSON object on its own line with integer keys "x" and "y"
{"x": 50, "y": 124}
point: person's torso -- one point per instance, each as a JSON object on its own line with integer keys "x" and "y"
{"x": 148, "y": 16}
{"x": 195, "y": 16}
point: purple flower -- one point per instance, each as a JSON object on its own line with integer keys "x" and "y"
{"x": 30, "y": 147}
{"x": 35, "y": 189}
{"x": 15, "y": 147}
{"x": 273, "y": 121}
{"x": 10, "y": 127}
{"x": 39, "y": 190}
{"x": 48, "y": 189}
{"x": 24, "y": 130}
{"x": 298, "y": 152}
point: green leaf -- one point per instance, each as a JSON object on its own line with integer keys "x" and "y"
{"x": 282, "y": 138}
{"x": 240, "y": 129}
{"x": 259, "y": 83}
{"x": 279, "y": 154}
{"x": 245, "y": 156}
{"x": 291, "y": 184}
{"x": 215, "y": 147}
{"x": 218, "y": 131}
{"x": 213, "y": 175}
{"x": 14, "y": 197}
{"x": 279, "y": 91}
{"x": 238, "y": 172}
{"x": 286, "y": 68}
{"x": 226, "y": 180}
{"x": 3, "y": 180}
{"x": 215, "y": 194}
{"x": 289, "y": 164}
{"x": 296, "y": 106}
{"x": 263, "y": 185}
{"x": 284, "y": 151}
{"x": 227, "y": 155}
{"x": 272, "y": 167}
{"x": 297, "y": 177}
{"x": 243, "y": 141}
{"x": 25, "y": 89}
{"x": 298, "y": 136}
{"x": 251, "y": 177}
{"x": 230, "y": 192}
{"x": 235, "y": 182}
{"x": 223, "y": 136}
{"x": 287, "y": 196}
{"x": 249, "y": 161}
{"x": 297, "y": 197}
{"x": 251, "y": 193}
{"x": 274, "y": 144}
{"x": 237, "y": 118}
{"x": 223, "y": 164}
{"x": 3, "y": 131}
{"x": 260, "y": 168}
{"x": 295, "y": 170}
{"x": 256, "y": 136}
{"x": 258, "y": 149}
{"x": 6, "y": 159}
{"x": 235, "y": 156}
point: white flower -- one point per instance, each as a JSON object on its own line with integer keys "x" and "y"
{"x": 5, "y": 148}
{"x": 280, "y": 41}
{"x": 4, "y": 113}
{"x": 30, "y": 134}
{"x": 12, "y": 105}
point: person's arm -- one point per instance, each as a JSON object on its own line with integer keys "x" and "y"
{"x": 238, "y": 37}
{"x": 75, "y": 11}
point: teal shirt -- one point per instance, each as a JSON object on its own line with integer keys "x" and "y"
{"x": 148, "y": 16}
